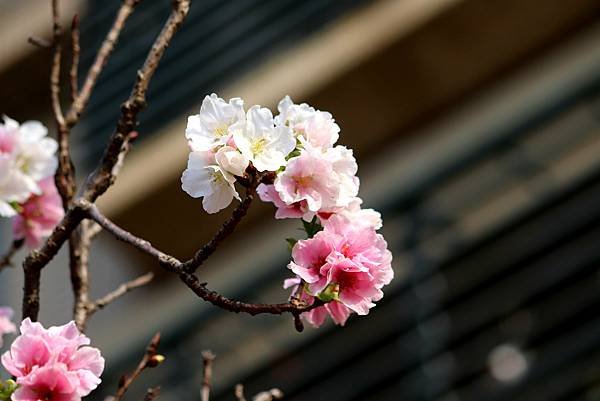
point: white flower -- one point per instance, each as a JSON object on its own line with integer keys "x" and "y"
{"x": 345, "y": 168}
{"x": 14, "y": 186}
{"x": 231, "y": 160}
{"x": 35, "y": 151}
{"x": 292, "y": 114}
{"x": 210, "y": 128}
{"x": 315, "y": 127}
{"x": 202, "y": 179}
{"x": 360, "y": 217}
{"x": 265, "y": 145}
{"x": 27, "y": 156}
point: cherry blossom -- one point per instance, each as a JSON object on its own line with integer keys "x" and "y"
{"x": 261, "y": 142}
{"x": 38, "y": 215}
{"x": 344, "y": 263}
{"x": 324, "y": 180}
{"x": 6, "y": 325}
{"x": 27, "y": 156}
{"x": 231, "y": 160}
{"x": 315, "y": 127}
{"x": 204, "y": 178}
{"x": 211, "y": 127}
{"x": 53, "y": 364}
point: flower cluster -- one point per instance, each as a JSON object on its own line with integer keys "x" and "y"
{"x": 54, "y": 364}
{"x": 27, "y": 192}
{"x": 347, "y": 263}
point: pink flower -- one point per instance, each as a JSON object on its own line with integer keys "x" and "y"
{"x": 346, "y": 264}
{"x": 54, "y": 363}
{"x": 324, "y": 180}
{"x": 52, "y": 382}
{"x": 267, "y": 193}
{"x": 355, "y": 214}
{"x": 38, "y": 215}
{"x": 6, "y": 325}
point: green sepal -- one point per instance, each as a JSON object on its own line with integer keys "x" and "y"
{"x": 312, "y": 227}
{"x": 330, "y": 293}
{"x": 7, "y": 388}
{"x": 291, "y": 242}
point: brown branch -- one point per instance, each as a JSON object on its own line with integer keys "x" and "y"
{"x": 75, "y": 52}
{"x": 227, "y": 228}
{"x": 207, "y": 359}
{"x": 108, "y": 45}
{"x": 103, "y": 176}
{"x": 79, "y": 250}
{"x": 119, "y": 292}
{"x": 172, "y": 264}
{"x": 150, "y": 359}
{"x": 38, "y": 258}
{"x": 39, "y": 42}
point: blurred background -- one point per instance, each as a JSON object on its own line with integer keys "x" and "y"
{"x": 476, "y": 125}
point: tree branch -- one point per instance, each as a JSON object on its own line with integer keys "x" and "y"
{"x": 108, "y": 45}
{"x": 172, "y": 264}
{"x": 150, "y": 359}
{"x": 75, "y": 52}
{"x": 103, "y": 176}
{"x": 119, "y": 292}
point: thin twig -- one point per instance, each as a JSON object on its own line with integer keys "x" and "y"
{"x": 227, "y": 228}
{"x": 207, "y": 359}
{"x": 5, "y": 260}
{"x": 150, "y": 359}
{"x": 106, "y": 49}
{"x": 119, "y": 292}
{"x": 39, "y": 42}
{"x": 152, "y": 394}
{"x": 75, "y": 52}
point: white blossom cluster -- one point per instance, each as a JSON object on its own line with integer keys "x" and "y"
{"x": 313, "y": 175}
{"x": 27, "y": 156}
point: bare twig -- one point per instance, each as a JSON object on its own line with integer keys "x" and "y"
{"x": 228, "y": 227}
{"x": 239, "y": 392}
{"x": 103, "y": 176}
{"x": 152, "y": 394}
{"x": 39, "y": 42}
{"x": 75, "y": 51}
{"x": 119, "y": 292}
{"x": 108, "y": 45}
{"x": 207, "y": 359}
{"x": 5, "y": 260}
{"x": 150, "y": 359}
